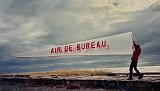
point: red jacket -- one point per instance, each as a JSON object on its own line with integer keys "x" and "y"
{"x": 136, "y": 53}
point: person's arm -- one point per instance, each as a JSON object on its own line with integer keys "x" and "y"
{"x": 135, "y": 45}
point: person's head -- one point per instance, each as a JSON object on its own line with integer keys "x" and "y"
{"x": 138, "y": 46}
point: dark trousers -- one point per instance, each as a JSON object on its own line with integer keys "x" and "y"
{"x": 134, "y": 65}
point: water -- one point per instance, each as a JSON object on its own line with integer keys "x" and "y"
{"x": 73, "y": 62}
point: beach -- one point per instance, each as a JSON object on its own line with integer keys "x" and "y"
{"x": 80, "y": 83}
{"x": 115, "y": 79}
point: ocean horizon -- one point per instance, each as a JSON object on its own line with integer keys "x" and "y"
{"x": 20, "y": 65}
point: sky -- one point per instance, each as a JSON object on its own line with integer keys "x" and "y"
{"x": 27, "y": 25}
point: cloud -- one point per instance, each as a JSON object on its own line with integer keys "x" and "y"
{"x": 145, "y": 25}
{"x": 27, "y": 25}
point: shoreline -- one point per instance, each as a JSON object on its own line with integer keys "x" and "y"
{"x": 116, "y": 81}
{"x": 143, "y": 69}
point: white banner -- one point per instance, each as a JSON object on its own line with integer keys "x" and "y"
{"x": 113, "y": 45}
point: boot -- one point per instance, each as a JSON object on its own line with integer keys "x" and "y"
{"x": 140, "y": 76}
{"x": 130, "y": 78}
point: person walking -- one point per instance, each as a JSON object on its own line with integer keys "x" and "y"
{"x": 134, "y": 62}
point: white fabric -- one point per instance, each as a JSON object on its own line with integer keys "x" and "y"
{"x": 112, "y": 45}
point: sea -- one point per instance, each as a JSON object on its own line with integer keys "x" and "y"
{"x": 20, "y": 65}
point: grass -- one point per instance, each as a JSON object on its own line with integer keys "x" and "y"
{"x": 72, "y": 73}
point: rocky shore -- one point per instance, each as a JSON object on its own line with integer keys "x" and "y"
{"x": 80, "y": 83}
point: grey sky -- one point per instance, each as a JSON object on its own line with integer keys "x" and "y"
{"x": 27, "y": 25}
